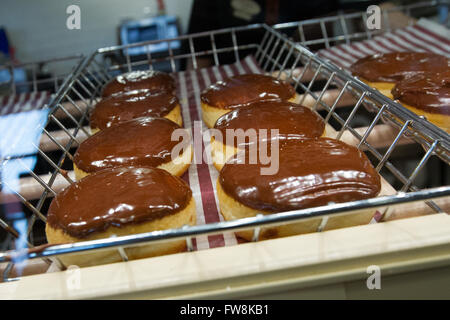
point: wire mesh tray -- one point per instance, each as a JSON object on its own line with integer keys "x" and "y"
{"x": 274, "y": 53}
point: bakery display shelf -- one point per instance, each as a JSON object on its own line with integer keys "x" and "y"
{"x": 271, "y": 52}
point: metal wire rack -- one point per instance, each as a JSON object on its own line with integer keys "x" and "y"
{"x": 275, "y": 54}
{"x": 43, "y": 75}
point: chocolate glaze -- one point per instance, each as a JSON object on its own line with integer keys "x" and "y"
{"x": 312, "y": 172}
{"x": 429, "y": 92}
{"x": 395, "y": 66}
{"x": 129, "y": 105}
{"x": 148, "y": 79}
{"x": 289, "y": 118}
{"x": 117, "y": 197}
{"x": 138, "y": 142}
{"x": 242, "y": 89}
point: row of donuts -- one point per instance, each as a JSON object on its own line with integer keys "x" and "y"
{"x": 420, "y": 81}
{"x": 312, "y": 169}
{"x": 127, "y": 182}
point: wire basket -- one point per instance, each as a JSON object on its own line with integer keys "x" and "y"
{"x": 275, "y": 54}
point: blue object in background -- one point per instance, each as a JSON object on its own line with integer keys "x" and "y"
{"x": 19, "y": 74}
{"x": 156, "y": 28}
{"x": 20, "y": 134}
{"x": 4, "y": 44}
{"x": 443, "y": 14}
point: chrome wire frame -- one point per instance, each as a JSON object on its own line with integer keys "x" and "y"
{"x": 31, "y": 70}
{"x": 276, "y": 54}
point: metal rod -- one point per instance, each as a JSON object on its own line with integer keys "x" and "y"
{"x": 191, "y": 47}
{"x": 351, "y": 115}
{"x": 235, "y": 45}
{"x": 323, "y": 92}
{"x": 214, "y": 49}
{"x": 392, "y": 146}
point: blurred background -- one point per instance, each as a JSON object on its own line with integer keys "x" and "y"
{"x": 37, "y": 30}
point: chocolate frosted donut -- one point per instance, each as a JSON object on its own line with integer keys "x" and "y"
{"x": 122, "y": 196}
{"x": 382, "y": 71}
{"x": 239, "y": 91}
{"x": 286, "y": 117}
{"x": 242, "y": 89}
{"x": 120, "y": 201}
{"x": 260, "y": 118}
{"x": 392, "y": 67}
{"x": 138, "y": 142}
{"x": 148, "y": 79}
{"x": 128, "y": 105}
{"x": 311, "y": 173}
{"x": 427, "y": 94}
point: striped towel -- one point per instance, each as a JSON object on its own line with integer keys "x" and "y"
{"x": 424, "y": 36}
{"x": 202, "y": 177}
{"x": 23, "y": 102}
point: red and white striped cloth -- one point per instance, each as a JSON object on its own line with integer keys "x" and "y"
{"x": 201, "y": 176}
{"x": 23, "y": 102}
{"x": 424, "y": 36}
